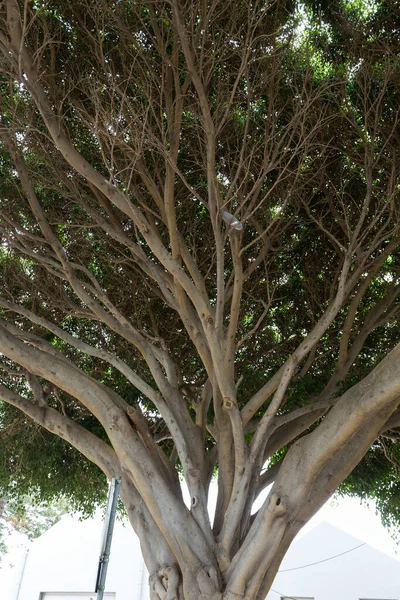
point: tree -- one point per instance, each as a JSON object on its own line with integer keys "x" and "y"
{"x": 200, "y": 262}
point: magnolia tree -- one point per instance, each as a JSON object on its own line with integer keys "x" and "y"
{"x": 200, "y": 261}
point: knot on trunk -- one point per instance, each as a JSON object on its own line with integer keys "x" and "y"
{"x": 276, "y": 506}
{"x": 228, "y": 403}
{"x": 164, "y": 584}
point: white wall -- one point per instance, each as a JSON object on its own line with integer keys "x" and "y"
{"x": 361, "y": 573}
{"x": 65, "y": 559}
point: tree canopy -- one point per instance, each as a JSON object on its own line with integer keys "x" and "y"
{"x": 200, "y": 269}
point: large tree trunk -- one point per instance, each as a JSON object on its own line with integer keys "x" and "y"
{"x": 311, "y": 471}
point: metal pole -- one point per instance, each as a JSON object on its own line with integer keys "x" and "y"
{"x": 108, "y": 529}
{"x": 22, "y": 573}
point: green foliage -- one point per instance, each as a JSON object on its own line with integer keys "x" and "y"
{"x": 43, "y": 467}
{"x": 377, "y": 478}
{"x": 28, "y": 515}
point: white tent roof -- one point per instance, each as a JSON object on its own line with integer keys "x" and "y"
{"x": 329, "y": 564}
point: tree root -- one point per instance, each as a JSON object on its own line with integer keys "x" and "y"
{"x": 167, "y": 584}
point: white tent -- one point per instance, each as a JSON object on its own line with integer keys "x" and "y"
{"x": 329, "y": 564}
